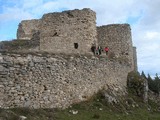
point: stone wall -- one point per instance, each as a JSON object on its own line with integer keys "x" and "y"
{"x": 27, "y": 28}
{"x": 62, "y": 32}
{"x": 51, "y": 81}
{"x": 19, "y": 46}
{"x": 117, "y": 37}
{"x": 135, "y": 59}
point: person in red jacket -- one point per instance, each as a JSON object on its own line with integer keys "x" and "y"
{"x": 106, "y": 49}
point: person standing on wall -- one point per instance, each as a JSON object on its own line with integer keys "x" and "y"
{"x": 106, "y": 49}
{"x": 99, "y": 50}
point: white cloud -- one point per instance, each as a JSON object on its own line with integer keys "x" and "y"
{"x": 146, "y": 36}
{"x": 15, "y": 14}
{"x": 152, "y": 35}
{"x": 30, "y": 4}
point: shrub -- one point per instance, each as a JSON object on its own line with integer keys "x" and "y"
{"x": 135, "y": 83}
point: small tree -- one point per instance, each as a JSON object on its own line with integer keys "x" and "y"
{"x": 143, "y": 75}
{"x": 154, "y": 84}
{"x": 157, "y": 84}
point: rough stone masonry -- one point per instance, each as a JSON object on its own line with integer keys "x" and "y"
{"x": 61, "y": 32}
{"x": 63, "y": 70}
{"x": 55, "y": 81}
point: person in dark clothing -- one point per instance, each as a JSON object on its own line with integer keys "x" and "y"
{"x": 99, "y": 50}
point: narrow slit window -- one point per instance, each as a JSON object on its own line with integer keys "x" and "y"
{"x": 76, "y": 45}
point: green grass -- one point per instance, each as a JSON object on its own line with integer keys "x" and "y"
{"x": 97, "y": 110}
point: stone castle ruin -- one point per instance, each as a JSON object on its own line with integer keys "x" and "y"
{"x": 51, "y": 63}
{"x": 61, "y": 32}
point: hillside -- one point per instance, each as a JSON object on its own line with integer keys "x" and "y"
{"x": 129, "y": 107}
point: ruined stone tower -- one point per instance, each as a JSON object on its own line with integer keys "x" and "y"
{"x": 69, "y": 32}
{"x": 118, "y": 38}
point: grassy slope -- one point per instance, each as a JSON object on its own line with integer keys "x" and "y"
{"x": 95, "y": 109}
{"x": 101, "y": 111}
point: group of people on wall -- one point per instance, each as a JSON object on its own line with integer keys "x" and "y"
{"x": 98, "y": 50}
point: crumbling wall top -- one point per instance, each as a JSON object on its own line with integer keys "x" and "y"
{"x": 27, "y": 28}
{"x": 115, "y": 25}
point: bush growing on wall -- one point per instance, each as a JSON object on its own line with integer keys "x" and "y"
{"x": 135, "y": 83}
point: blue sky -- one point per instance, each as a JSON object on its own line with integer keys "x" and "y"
{"x": 142, "y": 15}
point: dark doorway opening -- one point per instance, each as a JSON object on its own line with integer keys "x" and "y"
{"x": 76, "y": 45}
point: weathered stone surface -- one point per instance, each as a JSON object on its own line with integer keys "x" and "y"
{"x": 63, "y": 31}
{"x": 118, "y": 38}
{"x": 68, "y": 32}
{"x": 135, "y": 59}
{"x": 57, "y": 81}
{"x": 2, "y": 68}
{"x": 27, "y": 28}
